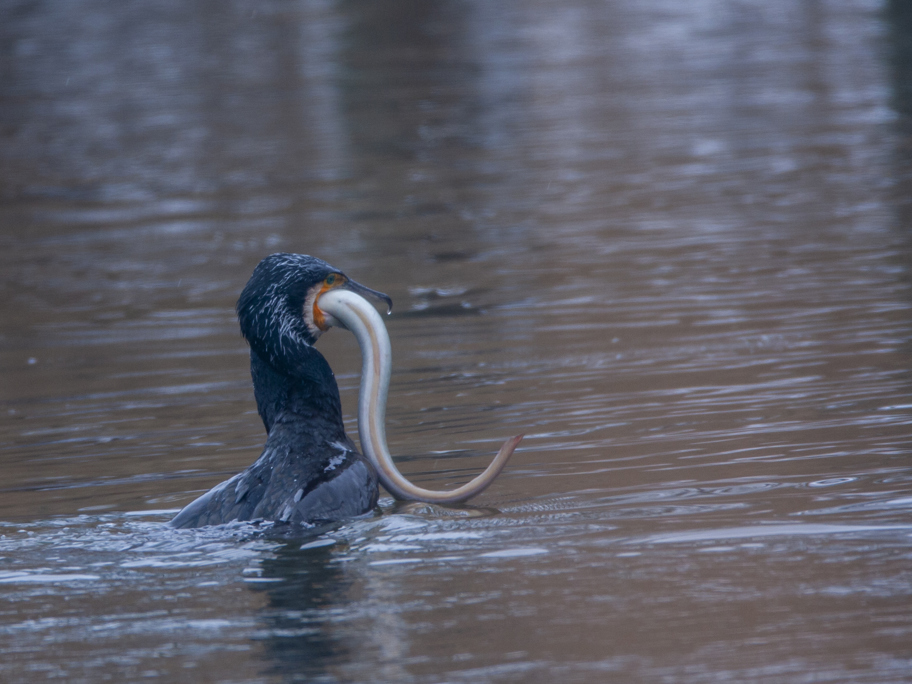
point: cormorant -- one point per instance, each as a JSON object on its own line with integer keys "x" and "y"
{"x": 310, "y": 472}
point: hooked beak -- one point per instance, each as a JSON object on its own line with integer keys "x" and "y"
{"x": 323, "y": 315}
{"x": 368, "y": 293}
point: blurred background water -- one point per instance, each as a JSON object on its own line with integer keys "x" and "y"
{"x": 668, "y": 241}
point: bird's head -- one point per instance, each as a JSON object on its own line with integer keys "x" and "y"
{"x": 278, "y": 309}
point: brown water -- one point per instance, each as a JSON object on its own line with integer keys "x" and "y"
{"x": 668, "y": 241}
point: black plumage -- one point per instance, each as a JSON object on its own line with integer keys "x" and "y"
{"x": 310, "y": 472}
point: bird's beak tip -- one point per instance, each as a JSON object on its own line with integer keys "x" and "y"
{"x": 368, "y": 293}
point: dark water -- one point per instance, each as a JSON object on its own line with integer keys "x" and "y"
{"x": 668, "y": 241}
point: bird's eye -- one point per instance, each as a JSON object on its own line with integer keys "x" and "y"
{"x": 330, "y": 279}
{"x": 333, "y": 280}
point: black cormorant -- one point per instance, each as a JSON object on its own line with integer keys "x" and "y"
{"x": 310, "y": 472}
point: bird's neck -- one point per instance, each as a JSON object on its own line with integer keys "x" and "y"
{"x": 306, "y": 395}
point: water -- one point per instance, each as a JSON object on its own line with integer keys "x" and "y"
{"x": 668, "y": 242}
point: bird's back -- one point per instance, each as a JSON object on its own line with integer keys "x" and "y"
{"x": 290, "y": 484}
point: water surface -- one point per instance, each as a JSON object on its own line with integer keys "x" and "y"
{"x": 669, "y": 243}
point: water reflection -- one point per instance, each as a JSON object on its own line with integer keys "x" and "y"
{"x": 304, "y": 587}
{"x": 326, "y": 619}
